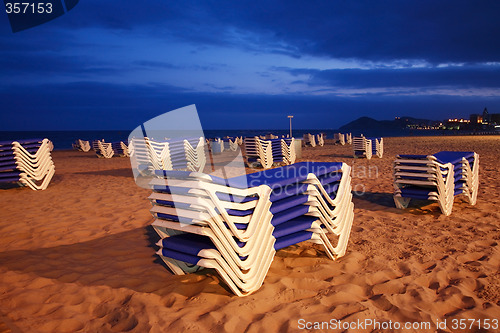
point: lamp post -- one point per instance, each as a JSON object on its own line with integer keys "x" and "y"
{"x": 290, "y": 117}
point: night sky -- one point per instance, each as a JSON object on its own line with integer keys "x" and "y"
{"x": 249, "y": 64}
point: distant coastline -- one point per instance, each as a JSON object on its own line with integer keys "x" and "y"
{"x": 63, "y": 139}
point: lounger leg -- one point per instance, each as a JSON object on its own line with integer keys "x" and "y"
{"x": 446, "y": 208}
{"x": 401, "y": 202}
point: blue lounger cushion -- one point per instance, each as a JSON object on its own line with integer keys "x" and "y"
{"x": 297, "y": 224}
{"x": 289, "y": 214}
{"x": 187, "y": 258}
{"x": 288, "y": 203}
{"x": 453, "y": 157}
{"x": 273, "y": 178}
{"x": 292, "y": 239}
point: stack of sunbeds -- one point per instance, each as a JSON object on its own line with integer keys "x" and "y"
{"x": 320, "y": 139}
{"x": 217, "y": 145}
{"x": 258, "y": 151}
{"x": 339, "y": 138}
{"x": 187, "y": 153}
{"x": 174, "y": 154}
{"x": 194, "y": 154}
{"x": 156, "y": 156}
{"x": 120, "y": 148}
{"x": 309, "y": 140}
{"x": 283, "y": 150}
{"x": 95, "y": 144}
{"x": 288, "y": 150}
{"x": 234, "y": 142}
{"x": 438, "y": 177}
{"x": 348, "y": 138}
{"x": 27, "y": 162}
{"x": 377, "y": 146}
{"x": 270, "y": 151}
{"x": 362, "y": 147}
{"x": 81, "y": 145}
{"x": 236, "y": 225}
{"x": 103, "y": 149}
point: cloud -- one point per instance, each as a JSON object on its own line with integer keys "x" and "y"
{"x": 472, "y": 76}
{"x": 248, "y": 63}
{"x": 99, "y": 106}
{"x": 433, "y": 31}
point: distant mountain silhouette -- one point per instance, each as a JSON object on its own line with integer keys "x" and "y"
{"x": 367, "y": 123}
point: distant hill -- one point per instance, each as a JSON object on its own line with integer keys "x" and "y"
{"x": 367, "y": 123}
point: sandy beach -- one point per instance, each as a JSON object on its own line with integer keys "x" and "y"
{"x": 80, "y": 256}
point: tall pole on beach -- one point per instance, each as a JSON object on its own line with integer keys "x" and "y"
{"x": 290, "y": 117}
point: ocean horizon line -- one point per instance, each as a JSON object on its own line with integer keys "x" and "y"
{"x": 63, "y": 139}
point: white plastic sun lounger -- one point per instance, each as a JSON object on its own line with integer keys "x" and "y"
{"x": 82, "y": 145}
{"x": 205, "y": 221}
{"x": 348, "y": 138}
{"x": 320, "y": 139}
{"x": 234, "y": 142}
{"x": 377, "y": 147}
{"x": 362, "y": 147}
{"x": 309, "y": 139}
{"x": 120, "y": 148}
{"x": 258, "y": 151}
{"x": 217, "y": 146}
{"x": 178, "y": 154}
{"x": 439, "y": 177}
{"x": 339, "y": 138}
{"x": 27, "y": 162}
{"x": 288, "y": 150}
{"x": 104, "y": 149}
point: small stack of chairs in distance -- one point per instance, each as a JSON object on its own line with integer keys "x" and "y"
{"x": 194, "y": 153}
{"x": 147, "y": 155}
{"x": 236, "y": 225}
{"x": 438, "y": 177}
{"x": 217, "y": 145}
{"x": 95, "y": 145}
{"x": 233, "y": 142}
{"x": 309, "y": 140}
{"x": 27, "y": 162}
{"x": 174, "y": 154}
{"x": 288, "y": 150}
{"x": 81, "y": 145}
{"x": 157, "y": 154}
{"x": 348, "y": 138}
{"x": 362, "y": 147}
{"x": 283, "y": 150}
{"x": 339, "y": 138}
{"x": 320, "y": 139}
{"x": 277, "y": 151}
{"x": 259, "y": 151}
{"x": 377, "y": 146}
{"x": 103, "y": 149}
{"x": 187, "y": 153}
{"x": 109, "y": 149}
{"x": 119, "y": 149}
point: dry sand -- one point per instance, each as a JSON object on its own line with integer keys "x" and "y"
{"x": 79, "y": 256}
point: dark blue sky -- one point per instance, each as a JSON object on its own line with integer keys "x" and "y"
{"x": 248, "y": 64}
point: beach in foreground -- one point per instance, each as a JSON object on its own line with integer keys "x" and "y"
{"x": 79, "y": 256}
